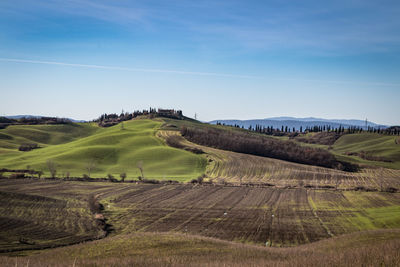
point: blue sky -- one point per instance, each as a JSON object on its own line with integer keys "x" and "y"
{"x": 219, "y": 59}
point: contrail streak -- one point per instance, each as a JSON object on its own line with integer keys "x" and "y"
{"x": 190, "y": 72}
{"x": 124, "y": 68}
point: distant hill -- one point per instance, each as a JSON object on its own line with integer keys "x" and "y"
{"x": 16, "y": 117}
{"x": 278, "y": 122}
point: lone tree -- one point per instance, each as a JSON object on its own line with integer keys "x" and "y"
{"x": 90, "y": 166}
{"x": 123, "y": 176}
{"x": 140, "y": 167}
{"x": 51, "y": 165}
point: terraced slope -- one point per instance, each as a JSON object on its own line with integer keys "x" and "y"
{"x": 114, "y": 150}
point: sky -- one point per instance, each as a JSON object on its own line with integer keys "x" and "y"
{"x": 217, "y": 59}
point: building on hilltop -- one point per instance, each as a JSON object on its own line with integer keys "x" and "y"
{"x": 170, "y": 113}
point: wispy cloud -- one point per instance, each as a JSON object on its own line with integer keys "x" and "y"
{"x": 93, "y": 66}
{"x": 345, "y": 27}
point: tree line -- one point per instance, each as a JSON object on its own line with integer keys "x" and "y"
{"x": 4, "y": 121}
{"x": 107, "y": 120}
{"x": 286, "y": 130}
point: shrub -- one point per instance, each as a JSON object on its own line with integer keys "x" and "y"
{"x": 123, "y": 176}
{"x": 51, "y": 165}
{"x": 151, "y": 181}
{"x": 28, "y": 147}
{"x": 17, "y": 175}
{"x": 390, "y": 190}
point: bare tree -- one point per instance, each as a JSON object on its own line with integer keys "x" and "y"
{"x": 337, "y": 183}
{"x": 139, "y": 164}
{"x": 90, "y": 166}
{"x": 51, "y": 165}
{"x": 110, "y": 177}
{"x": 123, "y": 176}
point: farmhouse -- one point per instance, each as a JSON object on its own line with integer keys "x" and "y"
{"x": 170, "y": 113}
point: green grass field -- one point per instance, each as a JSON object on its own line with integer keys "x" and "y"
{"x": 377, "y": 145}
{"x": 114, "y": 151}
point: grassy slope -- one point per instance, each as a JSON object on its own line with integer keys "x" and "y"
{"x": 375, "y": 144}
{"x": 115, "y": 150}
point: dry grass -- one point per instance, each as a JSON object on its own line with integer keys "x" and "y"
{"x": 373, "y": 248}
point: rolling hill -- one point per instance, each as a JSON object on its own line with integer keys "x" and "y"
{"x": 369, "y": 149}
{"x": 114, "y": 150}
{"x": 245, "y": 202}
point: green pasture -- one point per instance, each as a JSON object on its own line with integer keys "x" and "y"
{"x": 377, "y": 145}
{"x": 113, "y": 150}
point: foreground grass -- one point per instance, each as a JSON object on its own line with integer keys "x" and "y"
{"x": 371, "y": 248}
{"x": 114, "y": 150}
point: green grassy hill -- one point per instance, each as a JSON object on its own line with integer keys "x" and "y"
{"x": 375, "y": 145}
{"x": 114, "y": 150}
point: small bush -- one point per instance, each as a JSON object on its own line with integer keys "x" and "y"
{"x": 123, "y": 176}
{"x": 150, "y": 181}
{"x": 390, "y": 190}
{"x": 17, "y": 175}
{"x": 94, "y": 205}
{"x": 28, "y": 147}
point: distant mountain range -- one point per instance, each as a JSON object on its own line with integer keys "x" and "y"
{"x": 16, "y": 117}
{"x": 278, "y": 122}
